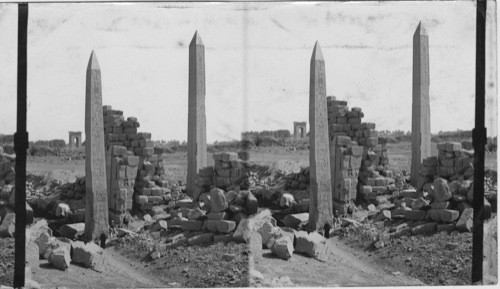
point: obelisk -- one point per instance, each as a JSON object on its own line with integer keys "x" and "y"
{"x": 320, "y": 195}
{"x": 96, "y": 206}
{"x": 421, "y": 113}
{"x": 197, "y": 135}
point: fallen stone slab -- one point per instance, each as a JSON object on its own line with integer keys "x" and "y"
{"x": 191, "y": 225}
{"x": 72, "y": 231}
{"x": 251, "y": 205}
{"x": 440, "y": 205}
{"x": 218, "y": 202}
{"x": 217, "y": 216}
{"x": 448, "y": 216}
{"x": 446, "y": 227}
{"x": 223, "y": 238}
{"x": 90, "y": 255}
{"x": 266, "y": 231}
{"x": 416, "y": 215}
{"x": 243, "y": 231}
{"x": 43, "y": 242}
{"x": 441, "y": 190}
{"x": 225, "y": 226}
{"x": 8, "y": 226}
{"x": 312, "y": 245}
{"x": 185, "y": 203}
{"x": 296, "y": 221}
{"x": 60, "y": 258}
{"x": 201, "y": 239}
{"x": 196, "y": 214}
{"x": 424, "y": 228}
{"x": 255, "y": 246}
{"x": 278, "y": 233}
{"x": 32, "y": 253}
{"x": 283, "y": 248}
{"x": 159, "y": 226}
{"x": 465, "y": 222}
{"x": 211, "y": 225}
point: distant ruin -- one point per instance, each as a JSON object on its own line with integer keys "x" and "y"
{"x": 75, "y": 139}
{"x": 299, "y": 130}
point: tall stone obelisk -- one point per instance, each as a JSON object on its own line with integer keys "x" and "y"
{"x": 421, "y": 112}
{"x": 197, "y": 135}
{"x": 320, "y": 195}
{"x": 96, "y": 206}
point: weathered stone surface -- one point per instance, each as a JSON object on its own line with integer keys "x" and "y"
{"x": 465, "y": 222}
{"x": 225, "y": 226}
{"x": 283, "y": 248}
{"x": 255, "y": 245}
{"x": 223, "y": 238}
{"x": 421, "y": 116}
{"x": 197, "y": 133}
{"x": 417, "y": 215}
{"x": 266, "y": 231}
{"x": 32, "y": 253}
{"x": 446, "y": 227}
{"x": 96, "y": 205}
{"x": 72, "y": 231}
{"x": 60, "y": 258}
{"x": 158, "y": 226}
{"x": 196, "y": 214}
{"x": 321, "y": 203}
{"x": 243, "y": 231}
{"x": 191, "y": 225}
{"x": 8, "y": 226}
{"x": 448, "y": 216}
{"x": 287, "y": 200}
{"x": 218, "y": 201}
{"x": 217, "y": 216}
{"x": 89, "y": 255}
{"x": 44, "y": 241}
{"x": 296, "y": 221}
{"x": 441, "y": 190}
{"x": 440, "y": 205}
{"x": 383, "y": 215}
{"x": 201, "y": 239}
{"x": 424, "y": 228}
{"x": 251, "y": 205}
{"x": 311, "y": 245}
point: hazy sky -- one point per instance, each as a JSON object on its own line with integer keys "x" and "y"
{"x": 257, "y": 63}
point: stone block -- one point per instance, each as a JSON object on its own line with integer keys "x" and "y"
{"x": 465, "y": 222}
{"x": 310, "y": 244}
{"x": 283, "y": 248}
{"x": 255, "y": 246}
{"x": 201, "y": 239}
{"x": 440, "y": 205}
{"x": 72, "y": 231}
{"x": 8, "y": 226}
{"x": 424, "y": 228}
{"x": 448, "y": 216}
{"x": 251, "y": 205}
{"x": 60, "y": 258}
{"x": 243, "y": 231}
{"x": 416, "y": 215}
{"x": 446, "y": 227}
{"x": 217, "y": 216}
{"x": 441, "y": 190}
{"x": 90, "y": 255}
{"x": 223, "y": 238}
{"x": 296, "y": 221}
{"x": 225, "y": 226}
{"x": 191, "y": 225}
{"x": 218, "y": 201}
{"x": 196, "y": 214}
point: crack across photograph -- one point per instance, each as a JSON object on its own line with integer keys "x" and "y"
{"x": 153, "y": 163}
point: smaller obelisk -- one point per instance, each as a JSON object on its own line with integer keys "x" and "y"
{"x": 197, "y": 135}
{"x": 320, "y": 196}
{"x": 421, "y": 112}
{"x": 96, "y": 206}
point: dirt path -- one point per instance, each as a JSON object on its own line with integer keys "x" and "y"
{"x": 345, "y": 267}
{"x": 120, "y": 273}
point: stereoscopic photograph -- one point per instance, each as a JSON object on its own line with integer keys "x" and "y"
{"x": 248, "y": 144}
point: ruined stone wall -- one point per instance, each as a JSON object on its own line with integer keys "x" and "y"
{"x": 359, "y": 163}
{"x": 227, "y": 173}
{"x": 135, "y": 173}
